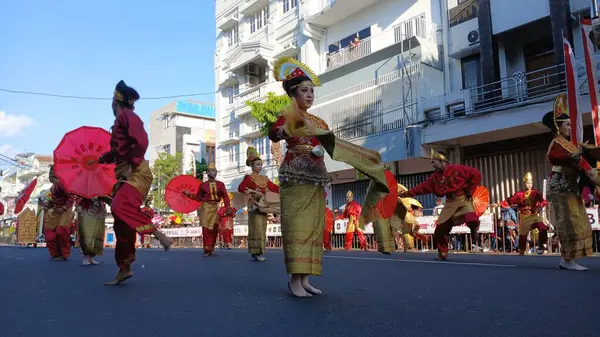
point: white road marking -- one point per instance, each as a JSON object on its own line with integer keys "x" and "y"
{"x": 424, "y": 261}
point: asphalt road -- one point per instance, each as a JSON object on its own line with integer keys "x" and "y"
{"x": 179, "y": 293}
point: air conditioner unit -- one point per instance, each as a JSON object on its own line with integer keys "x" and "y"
{"x": 252, "y": 69}
{"x": 473, "y": 37}
{"x": 253, "y": 80}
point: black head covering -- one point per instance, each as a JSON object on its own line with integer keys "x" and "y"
{"x": 550, "y": 121}
{"x": 290, "y": 85}
{"x": 125, "y": 94}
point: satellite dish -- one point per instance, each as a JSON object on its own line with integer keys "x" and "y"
{"x": 25, "y": 155}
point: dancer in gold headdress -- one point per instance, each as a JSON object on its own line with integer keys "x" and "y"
{"x": 567, "y": 211}
{"x": 226, "y": 215}
{"x": 352, "y": 212}
{"x": 303, "y": 175}
{"x": 407, "y": 207}
{"x": 457, "y": 183}
{"x": 529, "y": 202}
{"x": 256, "y": 186}
{"x": 210, "y": 193}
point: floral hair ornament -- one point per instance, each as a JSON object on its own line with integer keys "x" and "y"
{"x": 287, "y": 68}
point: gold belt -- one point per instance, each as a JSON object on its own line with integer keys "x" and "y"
{"x": 302, "y": 149}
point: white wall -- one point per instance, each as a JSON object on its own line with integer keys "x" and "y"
{"x": 194, "y": 122}
{"x": 508, "y": 14}
{"x": 381, "y": 16}
{"x": 224, "y": 6}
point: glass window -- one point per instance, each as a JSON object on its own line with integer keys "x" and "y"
{"x": 471, "y": 72}
{"x": 232, "y": 36}
{"x": 289, "y": 4}
{"x": 259, "y": 19}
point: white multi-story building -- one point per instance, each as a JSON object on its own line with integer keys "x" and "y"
{"x": 376, "y": 59}
{"x": 472, "y": 77}
{"x": 505, "y": 67}
{"x": 371, "y": 86}
{"x": 185, "y": 127}
{"x": 26, "y": 167}
{"x": 251, "y": 35}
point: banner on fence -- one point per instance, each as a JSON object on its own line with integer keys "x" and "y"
{"x": 593, "y": 216}
{"x": 183, "y": 232}
{"x": 427, "y": 225}
{"x": 273, "y": 230}
{"x": 341, "y": 225}
{"x": 240, "y": 230}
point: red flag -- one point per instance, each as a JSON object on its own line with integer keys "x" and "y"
{"x": 573, "y": 94}
{"x": 588, "y": 51}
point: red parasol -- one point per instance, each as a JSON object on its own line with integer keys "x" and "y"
{"x": 76, "y": 162}
{"x": 24, "y": 196}
{"x": 481, "y": 200}
{"x": 175, "y": 198}
{"x": 387, "y": 205}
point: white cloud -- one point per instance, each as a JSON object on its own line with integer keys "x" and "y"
{"x": 6, "y": 149}
{"x": 13, "y": 125}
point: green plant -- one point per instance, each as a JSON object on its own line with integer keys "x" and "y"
{"x": 267, "y": 112}
{"x": 165, "y": 168}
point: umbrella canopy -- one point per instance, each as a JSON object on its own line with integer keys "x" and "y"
{"x": 175, "y": 197}
{"x": 481, "y": 200}
{"x": 387, "y": 205}
{"x": 76, "y": 162}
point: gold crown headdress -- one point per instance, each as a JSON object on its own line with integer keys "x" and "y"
{"x": 561, "y": 109}
{"x": 211, "y": 165}
{"x": 528, "y": 178}
{"x": 251, "y": 155}
{"x": 349, "y": 194}
{"x": 402, "y": 188}
{"x": 117, "y": 96}
{"x": 287, "y": 68}
{"x": 438, "y": 156}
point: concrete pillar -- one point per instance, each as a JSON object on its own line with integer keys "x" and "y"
{"x": 490, "y": 71}
{"x": 560, "y": 17}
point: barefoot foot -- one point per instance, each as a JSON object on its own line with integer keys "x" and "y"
{"x": 121, "y": 276}
{"x": 310, "y": 289}
{"x": 297, "y": 289}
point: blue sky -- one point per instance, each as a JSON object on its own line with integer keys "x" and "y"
{"x": 84, "y": 48}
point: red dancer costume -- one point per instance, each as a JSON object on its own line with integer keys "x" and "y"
{"x": 149, "y": 213}
{"x": 226, "y": 216}
{"x": 457, "y": 183}
{"x": 210, "y": 193}
{"x": 129, "y": 142}
{"x": 327, "y": 231}
{"x": 57, "y": 229}
{"x": 352, "y": 213}
{"x": 530, "y": 202}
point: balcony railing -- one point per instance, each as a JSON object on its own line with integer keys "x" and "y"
{"x": 519, "y": 89}
{"x": 415, "y": 27}
{"x": 374, "y": 106}
{"x": 256, "y": 93}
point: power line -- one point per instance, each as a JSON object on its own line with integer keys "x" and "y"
{"x": 98, "y": 98}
